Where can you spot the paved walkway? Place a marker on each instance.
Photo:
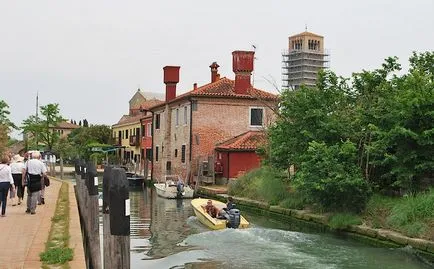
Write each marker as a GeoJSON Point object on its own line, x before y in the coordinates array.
{"type": "Point", "coordinates": [22, 235]}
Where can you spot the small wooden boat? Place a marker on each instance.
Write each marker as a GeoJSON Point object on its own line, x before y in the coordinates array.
{"type": "Point", "coordinates": [213, 223]}
{"type": "Point", "coordinates": [135, 180]}
{"type": "Point", "coordinates": [169, 188]}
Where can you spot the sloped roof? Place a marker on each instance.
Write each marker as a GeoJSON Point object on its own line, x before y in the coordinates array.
{"type": "Point", "coordinates": [126, 119]}
{"type": "Point", "coordinates": [150, 103]}
{"type": "Point", "coordinates": [141, 99]}
{"type": "Point", "coordinates": [66, 125]}
{"type": "Point", "coordinates": [305, 33]}
{"type": "Point", "coordinates": [248, 141]}
{"type": "Point", "coordinates": [224, 87]}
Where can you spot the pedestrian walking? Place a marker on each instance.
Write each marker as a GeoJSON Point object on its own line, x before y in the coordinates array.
{"type": "Point", "coordinates": [6, 181]}
{"type": "Point", "coordinates": [18, 169]}
{"type": "Point", "coordinates": [35, 170]}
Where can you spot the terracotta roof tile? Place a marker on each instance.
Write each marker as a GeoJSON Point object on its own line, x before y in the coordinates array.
{"type": "Point", "coordinates": [224, 87]}
{"type": "Point", "coordinates": [248, 141]}
{"type": "Point", "coordinates": [128, 119]}
{"type": "Point", "coordinates": [67, 125]}
{"type": "Point", "coordinates": [150, 103]}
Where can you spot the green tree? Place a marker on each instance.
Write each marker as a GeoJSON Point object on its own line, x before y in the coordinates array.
{"type": "Point", "coordinates": [4, 116]}
{"type": "Point", "coordinates": [81, 138]}
{"type": "Point", "coordinates": [403, 143]}
{"type": "Point", "coordinates": [330, 177]}
{"type": "Point", "coordinates": [41, 130]}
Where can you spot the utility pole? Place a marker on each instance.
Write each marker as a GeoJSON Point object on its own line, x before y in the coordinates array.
{"type": "Point", "coordinates": [37, 119]}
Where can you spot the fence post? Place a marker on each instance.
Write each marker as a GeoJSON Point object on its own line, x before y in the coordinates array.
{"type": "Point", "coordinates": [93, 215]}
{"type": "Point", "coordinates": [120, 219]}
{"type": "Point", "coordinates": [107, 237]}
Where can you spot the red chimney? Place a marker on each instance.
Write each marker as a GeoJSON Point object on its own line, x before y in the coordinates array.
{"type": "Point", "coordinates": [214, 72]}
{"type": "Point", "coordinates": [171, 78]}
{"type": "Point", "coordinates": [242, 65]}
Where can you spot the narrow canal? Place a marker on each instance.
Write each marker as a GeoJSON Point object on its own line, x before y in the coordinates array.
{"type": "Point", "coordinates": [165, 234]}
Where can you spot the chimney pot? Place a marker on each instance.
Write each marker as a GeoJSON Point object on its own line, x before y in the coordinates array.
{"type": "Point", "coordinates": [195, 86]}
{"type": "Point", "coordinates": [242, 65]}
{"type": "Point", "coordinates": [171, 78]}
{"type": "Point", "coordinates": [214, 72]}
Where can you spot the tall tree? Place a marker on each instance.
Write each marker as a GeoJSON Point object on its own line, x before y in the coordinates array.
{"type": "Point", "coordinates": [4, 116]}
{"type": "Point", "coordinates": [42, 129]}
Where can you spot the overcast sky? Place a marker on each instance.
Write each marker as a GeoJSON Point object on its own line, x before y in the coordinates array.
{"type": "Point", "coordinates": [91, 56]}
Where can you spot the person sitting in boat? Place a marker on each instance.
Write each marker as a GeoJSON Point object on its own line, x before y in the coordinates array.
{"type": "Point", "coordinates": [211, 209]}
{"type": "Point", "coordinates": [230, 204]}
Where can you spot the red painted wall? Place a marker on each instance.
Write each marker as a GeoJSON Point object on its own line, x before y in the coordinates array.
{"type": "Point", "coordinates": [237, 163]}
{"type": "Point", "coordinates": [146, 141]}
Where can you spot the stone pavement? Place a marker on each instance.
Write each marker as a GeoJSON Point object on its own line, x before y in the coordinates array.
{"type": "Point", "coordinates": [22, 235]}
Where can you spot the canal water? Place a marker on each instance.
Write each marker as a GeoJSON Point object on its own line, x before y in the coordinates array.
{"type": "Point", "coordinates": [165, 234]}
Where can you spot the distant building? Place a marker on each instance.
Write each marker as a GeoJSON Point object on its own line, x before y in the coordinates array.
{"type": "Point", "coordinates": [128, 131]}
{"type": "Point", "coordinates": [64, 128]}
{"type": "Point", "coordinates": [303, 60]}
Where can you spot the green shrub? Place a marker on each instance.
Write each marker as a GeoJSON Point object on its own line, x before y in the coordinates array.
{"type": "Point", "coordinates": [330, 177]}
{"type": "Point", "coordinates": [343, 220]}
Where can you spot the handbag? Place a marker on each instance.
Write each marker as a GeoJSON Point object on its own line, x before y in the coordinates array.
{"type": "Point", "coordinates": [46, 181]}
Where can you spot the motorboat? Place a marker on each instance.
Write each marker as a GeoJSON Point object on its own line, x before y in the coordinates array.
{"type": "Point", "coordinates": [233, 218]}
{"type": "Point", "coordinates": [173, 187]}
{"type": "Point", "coordinates": [135, 180]}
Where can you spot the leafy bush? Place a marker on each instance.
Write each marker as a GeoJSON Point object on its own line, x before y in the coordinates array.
{"type": "Point", "coordinates": [343, 220]}
{"type": "Point", "coordinates": [330, 177]}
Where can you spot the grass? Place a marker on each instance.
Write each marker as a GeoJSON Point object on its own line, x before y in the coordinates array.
{"type": "Point", "coordinates": [57, 253]}
{"type": "Point", "coordinates": [412, 215]}
{"type": "Point", "coordinates": [344, 220]}
{"type": "Point", "coordinates": [262, 184]}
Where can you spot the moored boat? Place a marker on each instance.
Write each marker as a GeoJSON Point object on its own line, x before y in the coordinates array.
{"type": "Point", "coordinates": [171, 189]}
{"type": "Point", "coordinates": [215, 223]}
{"type": "Point", "coordinates": [135, 180]}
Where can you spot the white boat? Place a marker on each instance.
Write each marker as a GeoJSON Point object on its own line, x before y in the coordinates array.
{"type": "Point", "coordinates": [168, 188]}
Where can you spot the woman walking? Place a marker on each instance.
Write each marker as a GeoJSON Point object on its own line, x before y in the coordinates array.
{"type": "Point", "coordinates": [6, 181]}
{"type": "Point", "coordinates": [18, 170]}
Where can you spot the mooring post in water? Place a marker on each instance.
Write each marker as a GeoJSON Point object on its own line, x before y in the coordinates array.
{"type": "Point", "coordinates": [93, 216]}
{"type": "Point", "coordinates": [120, 219]}
{"type": "Point", "coordinates": [107, 237]}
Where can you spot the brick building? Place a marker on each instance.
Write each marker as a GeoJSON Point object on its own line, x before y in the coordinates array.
{"type": "Point", "coordinates": [187, 128]}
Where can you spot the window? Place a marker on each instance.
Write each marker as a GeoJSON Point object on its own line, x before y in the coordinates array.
{"type": "Point", "coordinates": [126, 134]}
{"type": "Point", "coordinates": [194, 105]}
{"type": "Point", "coordinates": [149, 132]}
{"type": "Point", "coordinates": [157, 121]}
{"type": "Point", "coordinates": [256, 115]}
{"type": "Point", "coordinates": [183, 154]}
{"type": "Point", "coordinates": [123, 134]}
{"type": "Point", "coordinates": [156, 153]}
{"type": "Point", "coordinates": [185, 115]}
{"type": "Point", "coordinates": [143, 131]}
{"type": "Point", "coordinates": [177, 116]}
{"type": "Point", "coordinates": [176, 153]}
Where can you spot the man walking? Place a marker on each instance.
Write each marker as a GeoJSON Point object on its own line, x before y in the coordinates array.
{"type": "Point", "coordinates": [36, 170]}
